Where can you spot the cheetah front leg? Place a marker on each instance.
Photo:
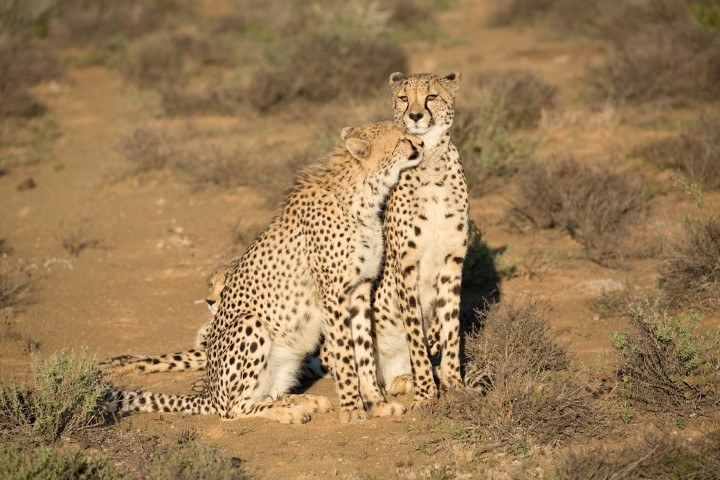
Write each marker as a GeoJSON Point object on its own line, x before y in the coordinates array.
{"type": "Point", "coordinates": [361, 318]}
{"type": "Point", "coordinates": [338, 329]}
{"type": "Point", "coordinates": [424, 388]}
{"type": "Point", "coordinates": [448, 315]}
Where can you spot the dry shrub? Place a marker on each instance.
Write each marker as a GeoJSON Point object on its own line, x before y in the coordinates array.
{"type": "Point", "coordinates": [612, 304]}
{"type": "Point", "coordinates": [84, 20]}
{"type": "Point", "coordinates": [520, 11]}
{"type": "Point", "coordinates": [677, 62]}
{"type": "Point", "coordinates": [665, 365]}
{"type": "Point", "coordinates": [212, 165]}
{"type": "Point", "coordinates": [206, 161]}
{"type": "Point", "coordinates": [148, 148]}
{"type": "Point", "coordinates": [164, 59]}
{"type": "Point", "coordinates": [596, 205]}
{"type": "Point", "coordinates": [609, 19]}
{"type": "Point", "coordinates": [665, 49]}
{"type": "Point", "coordinates": [24, 63]}
{"type": "Point", "coordinates": [523, 394]}
{"type": "Point", "coordinates": [695, 152]}
{"type": "Point", "coordinates": [12, 289]}
{"type": "Point", "coordinates": [92, 21]}
{"type": "Point", "coordinates": [657, 456]}
{"type": "Point", "coordinates": [523, 96]}
{"type": "Point", "coordinates": [340, 51]}
{"type": "Point", "coordinates": [690, 276]}
{"type": "Point", "coordinates": [509, 100]}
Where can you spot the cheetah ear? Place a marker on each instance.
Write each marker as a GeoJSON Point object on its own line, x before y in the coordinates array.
{"type": "Point", "coordinates": [396, 78]}
{"type": "Point", "coordinates": [358, 148]}
{"type": "Point", "coordinates": [452, 81]}
{"type": "Point", "coordinates": [346, 133]}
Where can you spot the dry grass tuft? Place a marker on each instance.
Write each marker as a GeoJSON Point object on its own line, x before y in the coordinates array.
{"type": "Point", "coordinates": [523, 395]}
{"type": "Point", "coordinates": [695, 152]}
{"type": "Point", "coordinates": [665, 365]}
{"type": "Point", "coordinates": [690, 276]}
{"type": "Point", "coordinates": [75, 238]}
{"type": "Point", "coordinates": [656, 456]}
{"type": "Point", "coordinates": [596, 205]}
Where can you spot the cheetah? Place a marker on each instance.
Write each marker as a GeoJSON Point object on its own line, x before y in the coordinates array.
{"type": "Point", "coordinates": [194, 359]}
{"type": "Point", "coordinates": [309, 273]}
{"type": "Point", "coordinates": [189, 360]}
{"type": "Point", "coordinates": [425, 227]}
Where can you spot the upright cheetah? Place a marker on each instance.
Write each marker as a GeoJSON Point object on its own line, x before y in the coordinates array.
{"type": "Point", "coordinates": [426, 223]}
{"type": "Point", "coordinates": [310, 272]}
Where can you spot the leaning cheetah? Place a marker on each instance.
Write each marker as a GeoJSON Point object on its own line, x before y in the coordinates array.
{"type": "Point", "coordinates": [310, 272]}
{"type": "Point", "coordinates": [195, 358]}
{"type": "Point", "coordinates": [417, 301]}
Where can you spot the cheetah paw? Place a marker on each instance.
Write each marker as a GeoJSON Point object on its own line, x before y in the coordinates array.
{"type": "Point", "coordinates": [291, 414]}
{"type": "Point", "coordinates": [311, 403]}
{"type": "Point", "coordinates": [401, 385]}
{"type": "Point", "coordinates": [387, 409]}
{"type": "Point", "coordinates": [355, 415]}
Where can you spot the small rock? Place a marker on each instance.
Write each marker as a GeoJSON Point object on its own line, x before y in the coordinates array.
{"type": "Point", "coordinates": [26, 184]}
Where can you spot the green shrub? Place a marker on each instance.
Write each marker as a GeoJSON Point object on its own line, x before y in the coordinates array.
{"type": "Point", "coordinates": [66, 396]}
{"type": "Point", "coordinates": [663, 362]}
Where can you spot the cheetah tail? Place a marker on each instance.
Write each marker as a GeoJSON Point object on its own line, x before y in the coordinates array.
{"type": "Point", "coordinates": [148, 402]}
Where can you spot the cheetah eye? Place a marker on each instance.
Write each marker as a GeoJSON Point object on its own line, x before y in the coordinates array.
{"type": "Point", "coordinates": [430, 98]}
{"type": "Point", "coordinates": [403, 98]}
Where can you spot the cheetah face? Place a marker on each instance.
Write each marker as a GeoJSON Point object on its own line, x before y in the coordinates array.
{"type": "Point", "coordinates": [424, 102]}
{"type": "Point", "coordinates": [383, 146]}
{"type": "Point", "coordinates": [216, 284]}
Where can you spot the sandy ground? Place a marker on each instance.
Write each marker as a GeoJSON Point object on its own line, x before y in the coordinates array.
{"type": "Point", "coordinates": [159, 239]}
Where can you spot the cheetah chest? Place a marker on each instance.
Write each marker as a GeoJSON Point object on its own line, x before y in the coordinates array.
{"type": "Point", "coordinates": [369, 250]}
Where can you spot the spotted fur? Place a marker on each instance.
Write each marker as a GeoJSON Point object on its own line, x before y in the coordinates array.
{"type": "Point", "coordinates": [194, 359]}
{"type": "Point", "coordinates": [308, 274]}
{"type": "Point", "coordinates": [417, 302]}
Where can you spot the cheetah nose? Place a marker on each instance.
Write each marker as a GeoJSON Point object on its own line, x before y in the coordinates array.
{"type": "Point", "coordinates": [422, 144]}
{"type": "Point", "coordinates": [210, 301]}
{"type": "Point", "coordinates": [415, 116]}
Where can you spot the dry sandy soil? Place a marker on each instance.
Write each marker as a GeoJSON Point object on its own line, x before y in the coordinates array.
{"type": "Point", "coordinates": [155, 239]}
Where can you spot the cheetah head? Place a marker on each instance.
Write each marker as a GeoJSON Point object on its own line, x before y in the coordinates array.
{"type": "Point", "coordinates": [216, 284]}
{"type": "Point", "coordinates": [383, 146]}
{"type": "Point", "coordinates": [424, 102]}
